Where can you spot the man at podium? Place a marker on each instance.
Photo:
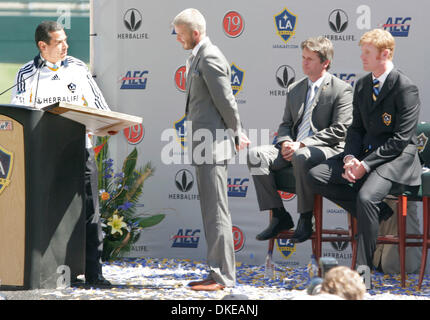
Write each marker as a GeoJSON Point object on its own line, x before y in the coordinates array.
{"type": "Point", "coordinates": [51, 77]}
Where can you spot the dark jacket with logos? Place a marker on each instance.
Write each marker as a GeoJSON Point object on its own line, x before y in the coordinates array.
{"type": "Point", "coordinates": [383, 133]}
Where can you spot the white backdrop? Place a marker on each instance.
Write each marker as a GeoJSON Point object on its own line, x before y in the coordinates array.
{"type": "Point", "coordinates": [138, 64]}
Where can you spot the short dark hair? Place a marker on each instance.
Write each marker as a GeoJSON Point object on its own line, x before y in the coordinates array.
{"type": "Point", "coordinates": [322, 46]}
{"type": "Point", "coordinates": [43, 30]}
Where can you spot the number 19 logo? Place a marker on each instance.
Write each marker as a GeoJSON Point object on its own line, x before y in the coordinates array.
{"type": "Point", "coordinates": [233, 24]}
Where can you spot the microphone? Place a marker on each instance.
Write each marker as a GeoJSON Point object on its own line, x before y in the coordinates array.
{"type": "Point", "coordinates": [39, 63]}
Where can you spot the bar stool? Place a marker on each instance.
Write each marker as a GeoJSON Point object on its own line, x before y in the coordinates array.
{"type": "Point", "coordinates": [285, 182]}
{"type": "Point", "coordinates": [403, 194]}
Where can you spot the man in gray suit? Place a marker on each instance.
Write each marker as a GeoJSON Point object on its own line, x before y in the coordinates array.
{"type": "Point", "coordinates": [213, 136]}
{"type": "Point", "coordinates": [316, 116]}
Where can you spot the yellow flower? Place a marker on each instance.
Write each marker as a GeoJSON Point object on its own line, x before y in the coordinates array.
{"type": "Point", "coordinates": [116, 224]}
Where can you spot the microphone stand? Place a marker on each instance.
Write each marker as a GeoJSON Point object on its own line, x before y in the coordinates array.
{"type": "Point", "coordinates": [37, 83]}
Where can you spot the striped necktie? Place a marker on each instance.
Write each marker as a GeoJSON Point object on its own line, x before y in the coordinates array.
{"type": "Point", "coordinates": [376, 88]}
{"type": "Point", "coordinates": [305, 125]}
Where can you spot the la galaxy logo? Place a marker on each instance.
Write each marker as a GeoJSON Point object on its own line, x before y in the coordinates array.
{"type": "Point", "coordinates": [181, 131]}
{"type": "Point", "coordinates": [285, 23]}
{"type": "Point", "coordinates": [285, 247]}
{"type": "Point", "coordinates": [386, 118]}
{"type": "Point", "coordinates": [237, 77]}
{"type": "Point", "coordinates": [72, 87]}
{"type": "Point", "coordinates": [422, 141]}
{"type": "Point", "coordinates": [6, 164]}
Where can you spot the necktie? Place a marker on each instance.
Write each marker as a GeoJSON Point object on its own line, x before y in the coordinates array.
{"type": "Point", "coordinates": [376, 88]}
{"type": "Point", "coordinates": [305, 125]}
{"type": "Point", "coordinates": [188, 63]}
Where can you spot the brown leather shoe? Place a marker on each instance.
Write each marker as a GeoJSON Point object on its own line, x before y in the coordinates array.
{"type": "Point", "coordinates": [200, 282]}
{"type": "Point", "coordinates": [209, 286]}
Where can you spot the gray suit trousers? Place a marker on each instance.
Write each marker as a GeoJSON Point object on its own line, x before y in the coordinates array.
{"type": "Point", "coordinates": [271, 161]}
{"type": "Point", "coordinates": [212, 186]}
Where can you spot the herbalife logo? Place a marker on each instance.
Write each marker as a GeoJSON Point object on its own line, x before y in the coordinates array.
{"type": "Point", "coordinates": [285, 75]}
{"type": "Point", "coordinates": [132, 19]}
{"type": "Point", "coordinates": [338, 20]}
{"type": "Point", "coordinates": [184, 180]}
{"type": "Point", "coordinates": [339, 245]}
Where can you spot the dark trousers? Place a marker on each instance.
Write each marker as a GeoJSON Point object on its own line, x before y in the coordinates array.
{"type": "Point", "coordinates": [94, 236]}
{"type": "Point", "coordinates": [361, 199]}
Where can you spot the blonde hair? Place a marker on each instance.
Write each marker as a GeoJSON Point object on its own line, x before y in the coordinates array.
{"type": "Point", "coordinates": [381, 39]}
{"type": "Point", "coordinates": [344, 282]}
{"type": "Point", "coordinates": [193, 19]}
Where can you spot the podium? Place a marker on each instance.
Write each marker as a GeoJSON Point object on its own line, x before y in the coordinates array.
{"type": "Point", "coordinates": [42, 217]}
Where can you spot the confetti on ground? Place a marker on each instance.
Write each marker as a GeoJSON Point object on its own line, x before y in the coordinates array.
{"type": "Point", "coordinates": [167, 279]}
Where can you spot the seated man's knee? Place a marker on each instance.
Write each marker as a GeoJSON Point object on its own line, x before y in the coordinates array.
{"type": "Point", "coordinates": [300, 156]}
{"type": "Point", "coordinates": [253, 159]}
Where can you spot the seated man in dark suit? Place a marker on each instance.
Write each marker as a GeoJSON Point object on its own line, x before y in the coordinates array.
{"type": "Point", "coordinates": [316, 116]}
{"type": "Point", "coordinates": [381, 144]}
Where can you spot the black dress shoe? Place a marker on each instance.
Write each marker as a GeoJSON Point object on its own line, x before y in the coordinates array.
{"type": "Point", "coordinates": [98, 280]}
{"type": "Point", "coordinates": [385, 212]}
{"type": "Point", "coordinates": [304, 228]}
{"type": "Point", "coordinates": [281, 220]}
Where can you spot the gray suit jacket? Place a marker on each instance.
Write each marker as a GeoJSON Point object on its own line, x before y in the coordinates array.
{"type": "Point", "coordinates": [331, 114]}
{"type": "Point", "coordinates": [211, 106]}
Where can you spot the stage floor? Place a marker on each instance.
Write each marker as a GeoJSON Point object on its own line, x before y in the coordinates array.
{"type": "Point", "coordinates": [166, 279]}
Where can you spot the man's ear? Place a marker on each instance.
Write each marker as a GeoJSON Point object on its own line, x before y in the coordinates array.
{"type": "Point", "coordinates": [196, 34]}
{"type": "Point", "coordinates": [42, 45]}
{"type": "Point", "coordinates": [385, 54]}
{"type": "Point", "coordinates": [326, 64]}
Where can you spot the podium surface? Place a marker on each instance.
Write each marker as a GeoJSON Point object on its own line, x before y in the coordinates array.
{"type": "Point", "coordinates": [42, 216]}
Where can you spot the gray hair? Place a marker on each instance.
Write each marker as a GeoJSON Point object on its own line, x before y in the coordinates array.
{"type": "Point", "coordinates": [193, 19]}
{"type": "Point", "coordinates": [322, 46]}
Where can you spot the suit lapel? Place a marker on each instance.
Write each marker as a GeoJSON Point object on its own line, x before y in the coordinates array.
{"type": "Point", "coordinates": [190, 72]}
{"type": "Point", "coordinates": [388, 85]}
{"type": "Point", "coordinates": [322, 89]}
{"type": "Point", "coordinates": [386, 89]}
{"type": "Point", "coordinates": [302, 95]}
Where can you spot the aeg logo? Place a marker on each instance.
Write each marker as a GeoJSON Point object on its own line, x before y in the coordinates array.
{"type": "Point", "coordinates": [187, 238]}
{"type": "Point", "coordinates": [237, 187]}
{"type": "Point", "coordinates": [134, 80]}
{"type": "Point", "coordinates": [398, 26]}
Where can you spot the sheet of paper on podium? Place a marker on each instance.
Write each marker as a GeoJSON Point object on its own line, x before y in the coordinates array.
{"type": "Point", "coordinates": [99, 122]}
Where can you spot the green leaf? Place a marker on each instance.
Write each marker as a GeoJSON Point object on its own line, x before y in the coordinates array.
{"type": "Point", "coordinates": [151, 221]}
{"type": "Point", "coordinates": [129, 163]}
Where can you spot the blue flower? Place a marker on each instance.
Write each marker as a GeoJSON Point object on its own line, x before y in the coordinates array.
{"type": "Point", "coordinates": [127, 205]}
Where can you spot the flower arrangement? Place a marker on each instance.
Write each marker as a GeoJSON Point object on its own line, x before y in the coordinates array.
{"type": "Point", "coordinates": [118, 198]}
